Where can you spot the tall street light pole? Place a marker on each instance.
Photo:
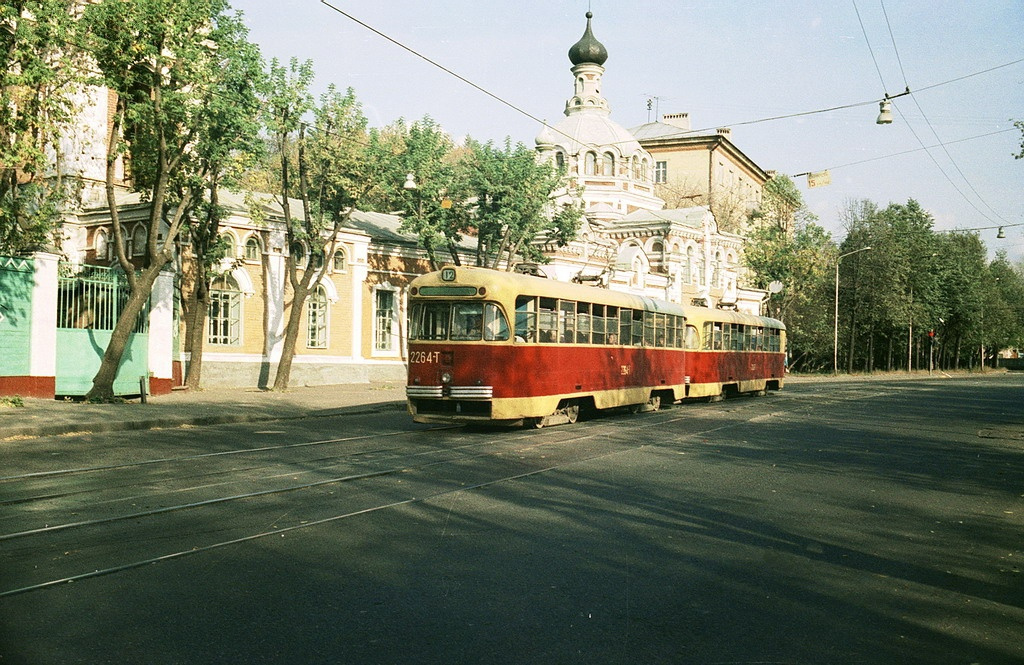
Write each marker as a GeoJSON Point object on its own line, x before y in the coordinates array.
{"type": "Point", "coordinates": [835, 333]}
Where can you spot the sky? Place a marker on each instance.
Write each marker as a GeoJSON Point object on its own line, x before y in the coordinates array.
{"type": "Point", "coordinates": [728, 63]}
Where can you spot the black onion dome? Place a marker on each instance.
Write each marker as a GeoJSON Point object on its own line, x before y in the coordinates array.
{"type": "Point", "coordinates": [588, 49]}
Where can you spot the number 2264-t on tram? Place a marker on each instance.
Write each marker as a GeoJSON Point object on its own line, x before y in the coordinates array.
{"type": "Point", "coordinates": [496, 347]}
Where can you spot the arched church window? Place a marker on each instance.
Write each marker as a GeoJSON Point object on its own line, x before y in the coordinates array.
{"type": "Point", "coordinates": [608, 164]}
{"type": "Point", "coordinates": [229, 245]}
{"type": "Point", "coordinates": [252, 249]}
{"type": "Point", "coordinates": [560, 161]}
{"type": "Point", "coordinates": [340, 261]}
{"type": "Point", "coordinates": [102, 245]}
{"type": "Point", "coordinates": [138, 245]}
{"type": "Point", "coordinates": [590, 165]}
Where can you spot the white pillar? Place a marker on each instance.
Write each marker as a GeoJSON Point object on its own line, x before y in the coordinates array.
{"type": "Point", "coordinates": [275, 305]}
{"type": "Point", "coordinates": [43, 349]}
{"type": "Point", "coordinates": [360, 271]}
{"type": "Point", "coordinates": [161, 332]}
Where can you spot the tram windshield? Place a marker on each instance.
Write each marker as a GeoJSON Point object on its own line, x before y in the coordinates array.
{"type": "Point", "coordinates": [458, 321]}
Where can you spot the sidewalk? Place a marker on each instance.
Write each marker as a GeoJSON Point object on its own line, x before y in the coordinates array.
{"type": "Point", "coordinates": [40, 417]}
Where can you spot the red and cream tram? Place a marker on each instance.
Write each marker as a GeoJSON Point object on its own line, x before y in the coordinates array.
{"type": "Point", "coordinates": [490, 346]}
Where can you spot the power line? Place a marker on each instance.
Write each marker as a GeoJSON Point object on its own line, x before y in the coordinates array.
{"type": "Point", "coordinates": [907, 152]}
{"type": "Point", "coordinates": [959, 191]}
{"type": "Point", "coordinates": [448, 71]}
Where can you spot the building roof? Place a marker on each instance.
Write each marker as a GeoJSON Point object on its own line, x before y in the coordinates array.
{"type": "Point", "coordinates": [662, 130]}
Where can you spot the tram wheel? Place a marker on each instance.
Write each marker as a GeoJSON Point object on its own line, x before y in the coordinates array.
{"type": "Point", "coordinates": [655, 403]}
{"type": "Point", "coordinates": [572, 413]}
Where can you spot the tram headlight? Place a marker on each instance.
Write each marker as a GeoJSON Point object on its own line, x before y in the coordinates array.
{"type": "Point", "coordinates": [446, 377]}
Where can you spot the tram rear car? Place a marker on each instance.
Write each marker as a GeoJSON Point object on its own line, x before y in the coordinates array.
{"type": "Point", "coordinates": [490, 346]}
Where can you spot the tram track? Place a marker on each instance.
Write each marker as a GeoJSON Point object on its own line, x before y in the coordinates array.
{"type": "Point", "coordinates": [373, 492]}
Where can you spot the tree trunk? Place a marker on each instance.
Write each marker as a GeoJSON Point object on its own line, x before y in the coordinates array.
{"type": "Point", "coordinates": [200, 303]}
{"type": "Point", "coordinates": [291, 337]}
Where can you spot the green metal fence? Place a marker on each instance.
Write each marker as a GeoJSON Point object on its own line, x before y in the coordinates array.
{"type": "Point", "coordinates": [89, 301]}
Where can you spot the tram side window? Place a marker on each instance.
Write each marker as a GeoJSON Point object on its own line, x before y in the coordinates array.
{"type": "Point", "coordinates": [431, 320]}
{"type": "Point", "coordinates": [567, 321]}
{"type": "Point", "coordinates": [526, 319]}
{"type": "Point", "coordinates": [547, 320]}
{"type": "Point", "coordinates": [638, 327]}
{"type": "Point", "coordinates": [713, 336]}
{"type": "Point", "coordinates": [625, 326]}
{"type": "Point", "coordinates": [774, 340]}
{"type": "Point", "coordinates": [672, 331]}
{"type": "Point", "coordinates": [583, 323]}
{"type": "Point", "coordinates": [650, 322]}
{"type": "Point", "coordinates": [611, 324]}
{"type": "Point", "coordinates": [597, 327]}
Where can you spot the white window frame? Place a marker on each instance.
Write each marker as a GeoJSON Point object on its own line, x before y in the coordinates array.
{"type": "Point", "coordinates": [660, 172]}
{"type": "Point", "coordinates": [317, 319]}
{"type": "Point", "coordinates": [250, 243]}
{"type": "Point", "coordinates": [385, 322]}
{"type": "Point", "coordinates": [224, 328]}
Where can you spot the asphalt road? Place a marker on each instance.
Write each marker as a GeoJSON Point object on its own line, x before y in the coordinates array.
{"type": "Point", "coordinates": [834, 522]}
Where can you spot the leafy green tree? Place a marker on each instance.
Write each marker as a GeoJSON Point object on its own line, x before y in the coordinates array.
{"type": "Point", "coordinates": [961, 266]}
{"type": "Point", "coordinates": [500, 196]}
{"type": "Point", "coordinates": [434, 210]}
{"type": "Point", "coordinates": [786, 245]}
{"type": "Point", "coordinates": [899, 283]}
{"type": "Point", "coordinates": [513, 203]}
{"type": "Point", "coordinates": [328, 166]}
{"type": "Point", "coordinates": [227, 146]}
{"type": "Point", "coordinates": [161, 60]}
{"type": "Point", "coordinates": [40, 76]}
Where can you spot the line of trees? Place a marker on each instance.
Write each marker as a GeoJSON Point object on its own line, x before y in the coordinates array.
{"type": "Point", "coordinates": [917, 299]}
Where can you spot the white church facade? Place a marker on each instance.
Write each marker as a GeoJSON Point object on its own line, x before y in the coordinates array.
{"type": "Point", "coordinates": [628, 240]}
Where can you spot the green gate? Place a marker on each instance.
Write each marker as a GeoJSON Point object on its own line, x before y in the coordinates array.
{"type": "Point", "coordinates": [89, 302]}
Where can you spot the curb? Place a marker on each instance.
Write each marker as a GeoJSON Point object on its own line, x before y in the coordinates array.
{"type": "Point", "coordinates": [171, 422]}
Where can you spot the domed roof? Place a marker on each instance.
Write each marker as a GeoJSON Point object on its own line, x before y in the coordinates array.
{"type": "Point", "coordinates": [595, 131]}
{"type": "Point", "coordinates": [546, 137]}
{"type": "Point", "coordinates": [588, 49]}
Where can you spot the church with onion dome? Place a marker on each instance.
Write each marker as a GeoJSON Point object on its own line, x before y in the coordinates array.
{"type": "Point", "coordinates": [628, 240]}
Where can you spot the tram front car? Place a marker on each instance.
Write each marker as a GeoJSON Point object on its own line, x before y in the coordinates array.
{"type": "Point", "coordinates": [462, 364]}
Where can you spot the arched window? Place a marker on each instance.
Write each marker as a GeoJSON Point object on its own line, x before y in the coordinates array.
{"type": "Point", "coordinates": [691, 266]}
{"type": "Point", "coordinates": [608, 164]}
{"type": "Point", "coordinates": [101, 245]}
{"type": "Point", "coordinates": [590, 165]}
{"type": "Point", "coordinates": [224, 320]}
{"type": "Point", "coordinates": [560, 161]}
{"type": "Point", "coordinates": [252, 249]}
{"type": "Point", "coordinates": [299, 254]}
{"type": "Point", "coordinates": [657, 255]}
{"type": "Point", "coordinates": [230, 251]}
{"type": "Point", "coordinates": [138, 246]}
{"type": "Point", "coordinates": [316, 319]}
{"type": "Point", "coordinates": [340, 262]}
